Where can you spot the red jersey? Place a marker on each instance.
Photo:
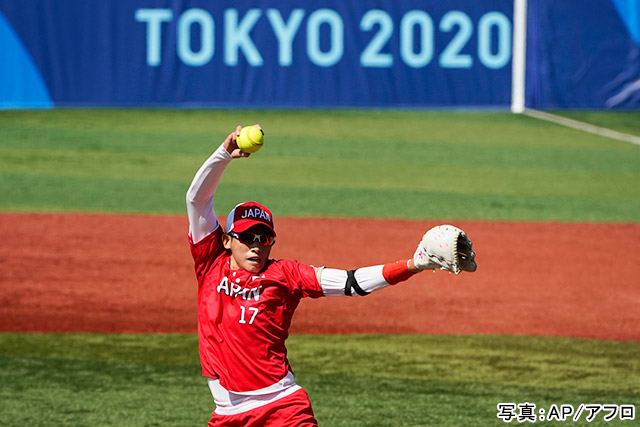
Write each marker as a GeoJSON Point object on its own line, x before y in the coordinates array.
{"type": "Point", "coordinates": [244, 319]}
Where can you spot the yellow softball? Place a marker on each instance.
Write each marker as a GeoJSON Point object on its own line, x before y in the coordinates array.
{"type": "Point", "coordinates": [250, 139]}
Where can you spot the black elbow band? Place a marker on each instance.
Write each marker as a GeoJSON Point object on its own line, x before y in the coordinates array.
{"type": "Point", "coordinates": [352, 283]}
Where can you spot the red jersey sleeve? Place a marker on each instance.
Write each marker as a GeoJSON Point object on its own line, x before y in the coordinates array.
{"type": "Point", "coordinates": [206, 251]}
{"type": "Point", "coordinates": [301, 279]}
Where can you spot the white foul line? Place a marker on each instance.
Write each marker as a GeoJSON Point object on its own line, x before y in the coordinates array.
{"type": "Point", "coordinates": [585, 127]}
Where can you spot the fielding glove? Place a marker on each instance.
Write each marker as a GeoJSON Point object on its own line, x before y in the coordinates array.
{"type": "Point", "coordinates": [445, 247]}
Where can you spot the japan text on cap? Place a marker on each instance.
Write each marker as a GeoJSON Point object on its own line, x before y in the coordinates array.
{"type": "Point", "coordinates": [246, 215]}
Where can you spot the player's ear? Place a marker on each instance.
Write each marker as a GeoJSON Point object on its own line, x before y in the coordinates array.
{"type": "Point", "coordinates": [226, 241]}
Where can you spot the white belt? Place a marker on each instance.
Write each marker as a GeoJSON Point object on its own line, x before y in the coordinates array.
{"type": "Point", "coordinates": [231, 403]}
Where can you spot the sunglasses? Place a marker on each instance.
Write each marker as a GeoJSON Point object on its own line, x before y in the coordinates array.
{"type": "Point", "coordinates": [249, 238]}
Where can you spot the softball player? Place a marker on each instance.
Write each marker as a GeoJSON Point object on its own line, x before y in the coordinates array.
{"type": "Point", "coordinates": [246, 300]}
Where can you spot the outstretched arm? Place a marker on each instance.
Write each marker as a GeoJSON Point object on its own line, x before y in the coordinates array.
{"type": "Point", "coordinates": [364, 280]}
{"type": "Point", "coordinates": [445, 247]}
{"type": "Point", "coordinates": [202, 218]}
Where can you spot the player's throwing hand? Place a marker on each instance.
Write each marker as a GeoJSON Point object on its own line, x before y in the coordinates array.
{"type": "Point", "coordinates": [231, 145]}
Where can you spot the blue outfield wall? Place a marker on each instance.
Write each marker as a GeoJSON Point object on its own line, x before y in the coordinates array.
{"type": "Point", "coordinates": [583, 54]}
{"type": "Point", "coordinates": [326, 53]}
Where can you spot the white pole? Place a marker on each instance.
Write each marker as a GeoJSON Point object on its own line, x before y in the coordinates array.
{"type": "Point", "coordinates": [518, 61]}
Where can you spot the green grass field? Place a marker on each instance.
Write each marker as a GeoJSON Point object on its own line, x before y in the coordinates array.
{"type": "Point", "coordinates": [394, 164]}
{"type": "Point", "coordinates": [372, 380]}
{"type": "Point", "coordinates": [390, 164]}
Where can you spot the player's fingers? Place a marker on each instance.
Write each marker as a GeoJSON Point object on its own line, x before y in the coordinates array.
{"type": "Point", "coordinates": [230, 140]}
{"type": "Point", "coordinates": [234, 135]}
{"type": "Point", "coordinates": [259, 127]}
{"type": "Point", "coordinates": [238, 153]}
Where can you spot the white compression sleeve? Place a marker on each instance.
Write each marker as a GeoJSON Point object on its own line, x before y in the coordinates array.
{"type": "Point", "coordinates": [202, 218]}
{"type": "Point", "coordinates": [368, 279]}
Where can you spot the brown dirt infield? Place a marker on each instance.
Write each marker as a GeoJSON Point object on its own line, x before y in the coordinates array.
{"type": "Point", "coordinates": [129, 273]}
